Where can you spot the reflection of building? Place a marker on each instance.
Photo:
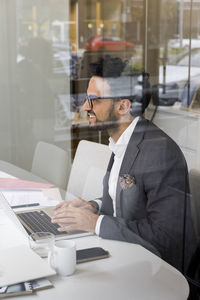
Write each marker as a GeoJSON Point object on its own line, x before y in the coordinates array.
{"type": "Point", "coordinates": [113, 17]}
{"type": "Point", "coordinates": [37, 19]}
{"type": "Point", "coordinates": [185, 5]}
{"type": "Point", "coordinates": [195, 18]}
{"type": "Point", "coordinates": [66, 25]}
{"type": "Point", "coordinates": [86, 18]}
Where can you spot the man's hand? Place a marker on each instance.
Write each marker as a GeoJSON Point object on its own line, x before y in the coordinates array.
{"type": "Point", "coordinates": [77, 214]}
{"type": "Point", "coordinates": [78, 202]}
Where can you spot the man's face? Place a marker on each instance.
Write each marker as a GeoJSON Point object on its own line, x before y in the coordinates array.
{"type": "Point", "coordinates": [103, 114]}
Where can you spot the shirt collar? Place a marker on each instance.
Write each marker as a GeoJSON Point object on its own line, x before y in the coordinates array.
{"type": "Point", "coordinates": [119, 147]}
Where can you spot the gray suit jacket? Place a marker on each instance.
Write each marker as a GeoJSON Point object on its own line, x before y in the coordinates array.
{"type": "Point", "coordinates": [150, 204]}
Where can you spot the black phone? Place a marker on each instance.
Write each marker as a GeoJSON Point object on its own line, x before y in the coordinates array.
{"type": "Point", "coordinates": [90, 254]}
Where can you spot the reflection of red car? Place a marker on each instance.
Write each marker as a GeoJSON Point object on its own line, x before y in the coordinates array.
{"type": "Point", "coordinates": [111, 43]}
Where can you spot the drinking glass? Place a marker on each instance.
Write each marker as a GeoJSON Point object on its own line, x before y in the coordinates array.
{"type": "Point", "coordinates": [41, 242]}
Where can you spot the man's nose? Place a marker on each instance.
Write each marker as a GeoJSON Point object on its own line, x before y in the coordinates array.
{"type": "Point", "coordinates": [86, 106]}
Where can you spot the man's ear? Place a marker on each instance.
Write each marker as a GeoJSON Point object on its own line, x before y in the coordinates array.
{"type": "Point", "coordinates": [124, 106]}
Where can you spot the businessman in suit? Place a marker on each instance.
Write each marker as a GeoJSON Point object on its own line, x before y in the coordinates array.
{"type": "Point", "coordinates": [145, 189]}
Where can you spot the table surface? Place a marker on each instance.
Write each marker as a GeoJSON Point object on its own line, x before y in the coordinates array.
{"type": "Point", "coordinates": [131, 272]}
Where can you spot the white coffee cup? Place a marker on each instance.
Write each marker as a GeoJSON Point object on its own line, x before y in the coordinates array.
{"type": "Point", "coordinates": [62, 258]}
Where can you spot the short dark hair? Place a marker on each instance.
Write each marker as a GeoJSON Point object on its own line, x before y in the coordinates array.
{"type": "Point", "coordinates": [108, 67]}
{"type": "Point", "coordinates": [124, 85]}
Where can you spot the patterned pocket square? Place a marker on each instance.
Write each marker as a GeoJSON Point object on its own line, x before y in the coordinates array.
{"type": "Point", "coordinates": [126, 181]}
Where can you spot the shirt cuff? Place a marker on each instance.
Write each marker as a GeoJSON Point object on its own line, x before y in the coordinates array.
{"type": "Point", "coordinates": [99, 202]}
{"type": "Point", "coordinates": [98, 224]}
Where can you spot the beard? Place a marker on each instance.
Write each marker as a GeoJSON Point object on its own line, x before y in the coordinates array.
{"type": "Point", "coordinates": [110, 124]}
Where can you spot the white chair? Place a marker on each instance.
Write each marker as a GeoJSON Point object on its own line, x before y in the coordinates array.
{"type": "Point", "coordinates": [88, 169]}
{"type": "Point", "coordinates": [194, 177]}
{"type": "Point", "coordinates": [51, 163]}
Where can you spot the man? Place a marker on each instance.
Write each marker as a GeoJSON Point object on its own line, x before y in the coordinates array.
{"type": "Point", "coordinates": [146, 184]}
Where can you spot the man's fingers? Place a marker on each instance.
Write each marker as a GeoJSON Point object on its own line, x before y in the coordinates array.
{"type": "Point", "coordinates": [77, 202]}
{"type": "Point", "coordinates": [62, 215]}
{"type": "Point", "coordinates": [75, 218]}
{"type": "Point", "coordinates": [68, 228]}
{"type": "Point", "coordinates": [63, 220]}
{"type": "Point", "coordinates": [64, 212]}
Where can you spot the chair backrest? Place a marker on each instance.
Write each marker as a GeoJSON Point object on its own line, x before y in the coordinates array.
{"type": "Point", "coordinates": [88, 169]}
{"type": "Point", "coordinates": [51, 163]}
{"type": "Point", "coordinates": [194, 177]}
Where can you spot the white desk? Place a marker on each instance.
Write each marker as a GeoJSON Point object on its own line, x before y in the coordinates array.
{"type": "Point", "coordinates": [131, 272]}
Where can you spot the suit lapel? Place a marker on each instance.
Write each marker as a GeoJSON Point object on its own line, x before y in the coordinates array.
{"type": "Point", "coordinates": [133, 147]}
{"type": "Point", "coordinates": [130, 156]}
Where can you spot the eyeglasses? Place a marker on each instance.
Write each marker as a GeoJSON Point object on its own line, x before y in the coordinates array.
{"type": "Point", "coordinates": [91, 98]}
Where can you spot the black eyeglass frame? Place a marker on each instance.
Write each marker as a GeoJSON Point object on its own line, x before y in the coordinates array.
{"type": "Point", "coordinates": [93, 98]}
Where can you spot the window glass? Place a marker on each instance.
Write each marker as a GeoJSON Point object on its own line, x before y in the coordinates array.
{"type": "Point", "coordinates": [50, 48]}
{"type": "Point", "coordinates": [175, 75]}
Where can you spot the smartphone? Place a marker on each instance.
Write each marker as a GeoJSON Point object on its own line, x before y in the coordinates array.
{"type": "Point", "coordinates": [90, 254]}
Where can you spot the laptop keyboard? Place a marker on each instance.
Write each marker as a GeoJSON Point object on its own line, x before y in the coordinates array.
{"type": "Point", "coordinates": [39, 221]}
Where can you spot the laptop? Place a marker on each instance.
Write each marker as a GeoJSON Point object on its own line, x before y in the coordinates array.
{"type": "Point", "coordinates": [38, 220]}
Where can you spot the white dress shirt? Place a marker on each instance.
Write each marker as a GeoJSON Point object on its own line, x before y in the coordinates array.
{"type": "Point", "coordinates": [119, 149]}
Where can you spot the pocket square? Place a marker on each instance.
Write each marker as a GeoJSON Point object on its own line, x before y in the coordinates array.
{"type": "Point", "coordinates": [126, 181]}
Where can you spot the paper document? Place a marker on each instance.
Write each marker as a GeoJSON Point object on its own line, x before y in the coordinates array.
{"type": "Point", "coordinates": [69, 196]}
{"type": "Point", "coordinates": [25, 288]}
{"type": "Point", "coordinates": [22, 288]}
{"type": "Point", "coordinates": [23, 197]}
{"type": "Point", "coordinates": [14, 183]}
{"type": "Point", "coordinates": [41, 284]}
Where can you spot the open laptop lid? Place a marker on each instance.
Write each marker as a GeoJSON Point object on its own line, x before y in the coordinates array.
{"type": "Point", "coordinates": [10, 214]}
